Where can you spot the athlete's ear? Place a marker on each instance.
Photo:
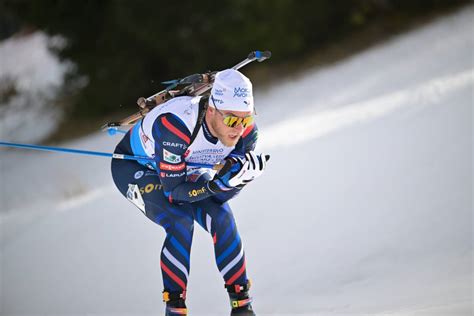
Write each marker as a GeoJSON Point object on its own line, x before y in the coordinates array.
{"type": "Point", "coordinates": [210, 110]}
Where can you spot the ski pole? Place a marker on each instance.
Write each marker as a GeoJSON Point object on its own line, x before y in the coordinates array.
{"type": "Point", "coordinates": [97, 153]}
{"type": "Point", "coordinates": [74, 151]}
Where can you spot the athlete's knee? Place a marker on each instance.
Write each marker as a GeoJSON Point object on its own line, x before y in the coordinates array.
{"type": "Point", "coordinates": [226, 218]}
{"type": "Point", "coordinates": [186, 222]}
{"type": "Point", "coordinates": [180, 221]}
{"type": "Point", "coordinates": [224, 222]}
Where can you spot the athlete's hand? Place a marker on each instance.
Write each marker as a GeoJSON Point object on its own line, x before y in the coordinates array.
{"type": "Point", "coordinates": [227, 177]}
{"type": "Point", "coordinates": [238, 171]}
{"type": "Point", "coordinates": [256, 166]}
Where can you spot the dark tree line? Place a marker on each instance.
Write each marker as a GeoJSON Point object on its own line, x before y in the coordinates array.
{"type": "Point", "coordinates": [121, 46]}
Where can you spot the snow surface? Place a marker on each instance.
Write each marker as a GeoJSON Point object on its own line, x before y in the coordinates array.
{"type": "Point", "coordinates": [365, 208]}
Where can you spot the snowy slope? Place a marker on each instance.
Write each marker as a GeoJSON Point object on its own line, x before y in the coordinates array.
{"type": "Point", "coordinates": [366, 207]}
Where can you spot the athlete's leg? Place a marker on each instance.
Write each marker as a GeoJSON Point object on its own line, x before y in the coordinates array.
{"type": "Point", "coordinates": [218, 220]}
{"type": "Point", "coordinates": [142, 187]}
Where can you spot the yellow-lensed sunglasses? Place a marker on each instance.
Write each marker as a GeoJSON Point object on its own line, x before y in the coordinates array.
{"type": "Point", "coordinates": [232, 120]}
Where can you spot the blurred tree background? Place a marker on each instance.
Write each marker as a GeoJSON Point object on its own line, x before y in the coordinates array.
{"type": "Point", "coordinates": [125, 48]}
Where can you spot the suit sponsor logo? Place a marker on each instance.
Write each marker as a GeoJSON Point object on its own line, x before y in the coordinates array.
{"type": "Point", "coordinates": [150, 173]}
{"type": "Point", "coordinates": [176, 145]}
{"type": "Point", "coordinates": [144, 138]}
{"type": "Point", "coordinates": [213, 151]}
{"type": "Point", "coordinates": [150, 187]}
{"type": "Point", "coordinates": [165, 166]}
{"type": "Point", "coordinates": [197, 192]}
{"type": "Point", "coordinates": [172, 175]}
{"type": "Point", "coordinates": [170, 157]}
{"type": "Point", "coordinates": [207, 156]}
{"type": "Point", "coordinates": [138, 174]}
{"type": "Point", "coordinates": [188, 110]}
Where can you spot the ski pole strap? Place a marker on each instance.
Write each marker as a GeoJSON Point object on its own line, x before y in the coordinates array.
{"type": "Point", "coordinates": [173, 296]}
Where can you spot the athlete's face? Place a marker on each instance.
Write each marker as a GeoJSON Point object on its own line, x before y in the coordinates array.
{"type": "Point", "coordinates": [229, 136]}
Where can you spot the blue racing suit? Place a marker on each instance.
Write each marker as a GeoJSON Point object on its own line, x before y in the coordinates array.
{"type": "Point", "coordinates": [173, 187]}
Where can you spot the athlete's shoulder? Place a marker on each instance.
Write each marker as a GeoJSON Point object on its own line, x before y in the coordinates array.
{"type": "Point", "coordinates": [250, 132]}
{"type": "Point", "coordinates": [185, 108]}
{"type": "Point", "coordinates": [171, 126]}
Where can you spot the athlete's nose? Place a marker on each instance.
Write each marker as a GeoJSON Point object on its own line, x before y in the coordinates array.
{"type": "Point", "coordinates": [239, 127]}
